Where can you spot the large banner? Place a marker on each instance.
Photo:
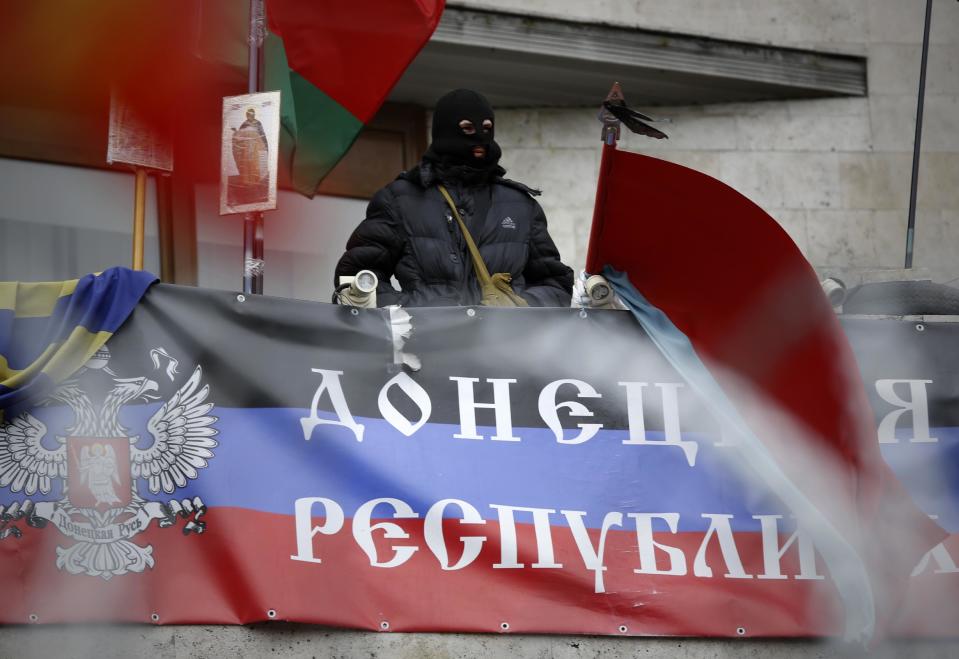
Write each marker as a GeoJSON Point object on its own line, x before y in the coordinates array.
{"type": "Point", "coordinates": [229, 460]}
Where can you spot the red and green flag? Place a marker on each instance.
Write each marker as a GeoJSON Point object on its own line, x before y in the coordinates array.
{"type": "Point", "coordinates": [334, 64]}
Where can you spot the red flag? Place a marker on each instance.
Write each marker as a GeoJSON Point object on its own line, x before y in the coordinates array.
{"type": "Point", "coordinates": [730, 279]}
{"type": "Point", "coordinates": [334, 64]}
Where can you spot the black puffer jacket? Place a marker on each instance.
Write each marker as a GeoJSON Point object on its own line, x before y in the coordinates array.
{"type": "Point", "coordinates": [410, 232]}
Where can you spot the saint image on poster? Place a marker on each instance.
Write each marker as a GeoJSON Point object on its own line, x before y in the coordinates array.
{"type": "Point", "coordinates": [249, 150]}
{"type": "Point", "coordinates": [251, 156]}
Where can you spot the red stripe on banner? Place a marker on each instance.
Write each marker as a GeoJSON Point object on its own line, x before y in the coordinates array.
{"type": "Point", "coordinates": [240, 568]}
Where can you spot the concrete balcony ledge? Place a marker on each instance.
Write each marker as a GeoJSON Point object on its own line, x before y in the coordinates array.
{"type": "Point", "coordinates": [532, 61]}
{"type": "Point", "coordinates": [310, 641]}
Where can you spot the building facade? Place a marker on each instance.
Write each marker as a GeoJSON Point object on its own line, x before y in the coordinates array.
{"type": "Point", "coordinates": [834, 172]}
{"type": "Point", "coordinates": [807, 108]}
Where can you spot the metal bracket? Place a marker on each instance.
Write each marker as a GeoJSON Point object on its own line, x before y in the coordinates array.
{"type": "Point", "coordinates": [257, 24]}
{"type": "Point", "coordinates": [253, 267]}
{"type": "Point", "coordinates": [611, 125]}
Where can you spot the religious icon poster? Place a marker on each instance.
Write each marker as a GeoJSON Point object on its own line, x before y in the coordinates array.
{"type": "Point", "coordinates": [248, 152]}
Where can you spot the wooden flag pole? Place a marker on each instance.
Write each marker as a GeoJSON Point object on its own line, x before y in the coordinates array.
{"type": "Point", "coordinates": [139, 217]}
{"type": "Point", "coordinates": [137, 142]}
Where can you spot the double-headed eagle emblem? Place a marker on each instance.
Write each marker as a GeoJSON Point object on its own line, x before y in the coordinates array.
{"type": "Point", "coordinates": [100, 463]}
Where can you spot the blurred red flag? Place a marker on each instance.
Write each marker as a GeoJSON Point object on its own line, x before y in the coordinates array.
{"type": "Point", "coordinates": [728, 277]}
{"type": "Point", "coordinates": [172, 62]}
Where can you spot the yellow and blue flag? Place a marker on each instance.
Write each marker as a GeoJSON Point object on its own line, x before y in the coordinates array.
{"type": "Point", "coordinates": [48, 330]}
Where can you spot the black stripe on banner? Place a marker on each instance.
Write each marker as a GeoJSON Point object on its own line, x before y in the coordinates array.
{"type": "Point", "coordinates": [261, 353]}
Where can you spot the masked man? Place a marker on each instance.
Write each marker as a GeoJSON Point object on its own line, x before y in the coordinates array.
{"type": "Point", "coordinates": [411, 232]}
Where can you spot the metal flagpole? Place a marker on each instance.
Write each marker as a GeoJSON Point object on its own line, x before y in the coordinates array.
{"type": "Point", "coordinates": [258, 253]}
{"type": "Point", "coordinates": [139, 215]}
{"type": "Point", "coordinates": [610, 136]}
{"type": "Point", "coordinates": [253, 222]}
{"type": "Point", "coordinates": [911, 227]}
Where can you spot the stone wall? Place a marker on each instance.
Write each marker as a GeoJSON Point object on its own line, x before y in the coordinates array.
{"type": "Point", "coordinates": [835, 172]}
{"type": "Point", "coordinates": [312, 642]}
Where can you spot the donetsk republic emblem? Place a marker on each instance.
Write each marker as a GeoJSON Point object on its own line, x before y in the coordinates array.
{"type": "Point", "coordinates": [101, 462]}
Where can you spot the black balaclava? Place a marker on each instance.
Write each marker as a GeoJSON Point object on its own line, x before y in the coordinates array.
{"type": "Point", "coordinates": [451, 150]}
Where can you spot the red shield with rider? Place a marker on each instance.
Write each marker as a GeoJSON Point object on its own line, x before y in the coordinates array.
{"type": "Point", "coordinates": [98, 472]}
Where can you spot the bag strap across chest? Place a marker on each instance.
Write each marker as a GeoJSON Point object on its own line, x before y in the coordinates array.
{"type": "Point", "coordinates": [482, 272]}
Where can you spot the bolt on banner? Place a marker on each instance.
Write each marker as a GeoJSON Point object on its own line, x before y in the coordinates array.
{"type": "Point", "coordinates": [311, 478]}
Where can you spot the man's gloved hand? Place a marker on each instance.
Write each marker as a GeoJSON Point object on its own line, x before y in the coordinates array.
{"type": "Point", "coordinates": [594, 292]}
{"type": "Point", "coordinates": [580, 297]}
{"type": "Point", "coordinates": [358, 291]}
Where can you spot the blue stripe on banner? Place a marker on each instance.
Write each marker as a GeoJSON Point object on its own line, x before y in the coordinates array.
{"type": "Point", "coordinates": [26, 338]}
{"type": "Point", "coordinates": [263, 463]}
